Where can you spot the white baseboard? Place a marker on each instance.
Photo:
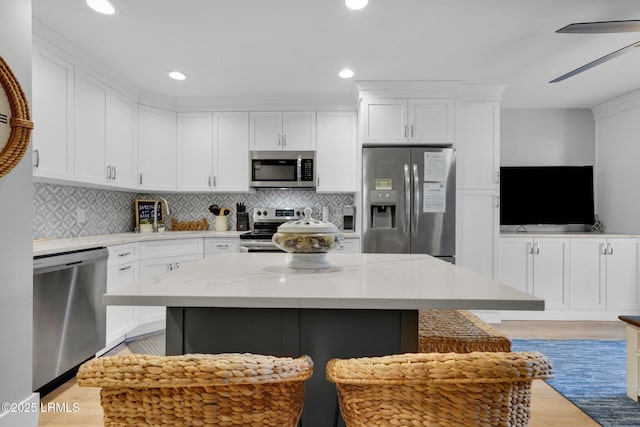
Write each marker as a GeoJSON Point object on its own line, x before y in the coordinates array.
{"type": "Point", "coordinates": [26, 413]}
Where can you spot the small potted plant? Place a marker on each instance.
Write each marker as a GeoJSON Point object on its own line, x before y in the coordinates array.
{"type": "Point", "coordinates": [146, 226]}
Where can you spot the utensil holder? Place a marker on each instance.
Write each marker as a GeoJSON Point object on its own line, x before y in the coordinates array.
{"type": "Point", "coordinates": [221, 223]}
{"type": "Point", "coordinates": [242, 221]}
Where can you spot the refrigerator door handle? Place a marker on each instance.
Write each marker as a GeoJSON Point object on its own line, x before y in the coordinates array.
{"type": "Point", "coordinates": [407, 201]}
{"type": "Point", "coordinates": [416, 201]}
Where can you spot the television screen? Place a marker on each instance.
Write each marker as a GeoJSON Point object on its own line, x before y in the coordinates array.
{"type": "Point", "coordinates": [546, 195]}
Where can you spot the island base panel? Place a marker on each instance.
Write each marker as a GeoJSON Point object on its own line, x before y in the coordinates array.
{"type": "Point", "coordinates": [322, 334]}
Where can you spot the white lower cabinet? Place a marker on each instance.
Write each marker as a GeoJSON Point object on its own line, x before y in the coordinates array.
{"type": "Point", "coordinates": [538, 266]}
{"type": "Point", "coordinates": [213, 246]}
{"type": "Point", "coordinates": [604, 273]}
{"type": "Point", "coordinates": [122, 270]}
{"type": "Point", "coordinates": [581, 277]}
{"type": "Point", "coordinates": [349, 245]}
{"type": "Point", "coordinates": [157, 257]}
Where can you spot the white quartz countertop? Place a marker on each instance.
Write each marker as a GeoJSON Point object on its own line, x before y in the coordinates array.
{"type": "Point", "coordinates": [354, 281]}
{"type": "Point", "coordinates": [51, 246]}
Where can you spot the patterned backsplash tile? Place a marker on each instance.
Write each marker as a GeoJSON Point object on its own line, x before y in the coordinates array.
{"type": "Point", "coordinates": [56, 207]}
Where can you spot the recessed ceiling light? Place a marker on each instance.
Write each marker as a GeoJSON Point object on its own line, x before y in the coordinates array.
{"type": "Point", "coordinates": [102, 6]}
{"type": "Point", "coordinates": [356, 4]}
{"type": "Point", "coordinates": [177, 75]}
{"type": "Point", "coordinates": [346, 73]}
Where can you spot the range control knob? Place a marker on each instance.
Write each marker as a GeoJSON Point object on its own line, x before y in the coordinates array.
{"type": "Point", "coordinates": [298, 213]}
{"type": "Point", "coordinates": [264, 213]}
{"type": "Point", "coordinates": [258, 213]}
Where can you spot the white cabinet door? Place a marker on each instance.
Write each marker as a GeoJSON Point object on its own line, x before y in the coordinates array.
{"type": "Point", "coordinates": [384, 121]}
{"type": "Point", "coordinates": [195, 152]}
{"type": "Point", "coordinates": [52, 99]}
{"type": "Point", "coordinates": [153, 267]}
{"type": "Point", "coordinates": [431, 121]}
{"type": "Point", "coordinates": [120, 319]}
{"type": "Point", "coordinates": [336, 152]}
{"type": "Point", "coordinates": [622, 274]}
{"type": "Point", "coordinates": [515, 262]}
{"type": "Point", "coordinates": [587, 273]}
{"type": "Point", "coordinates": [275, 131]}
{"type": "Point", "coordinates": [550, 271]}
{"type": "Point", "coordinates": [156, 149]}
{"type": "Point", "coordinates": [477, 228]}
{"type": "Point", "coordinates": [232, 142]}
{"type": "Point", "coordinates": [538, 266]}
{"type": "Point", "coordinates": [266, 130]}
{"type": "Point", "coordinates": [299, 130]}
{"type": "Point", "coordinates": [122, 141]}
{"type": "Point", "coordinates": [477, 144]}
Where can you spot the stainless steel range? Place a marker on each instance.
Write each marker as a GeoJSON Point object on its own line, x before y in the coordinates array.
{"type": "Point", "coordinates": [265, 225]}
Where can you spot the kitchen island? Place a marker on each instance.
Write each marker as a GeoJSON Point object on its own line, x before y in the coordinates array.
{"type": "Point", "coordinates": [364, 304]}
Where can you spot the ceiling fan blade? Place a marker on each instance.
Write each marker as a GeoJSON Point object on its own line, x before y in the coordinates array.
{"type": "Point", "coordinates": [596, 62]}
{"type": "Point", "coordinates": [627, 26]}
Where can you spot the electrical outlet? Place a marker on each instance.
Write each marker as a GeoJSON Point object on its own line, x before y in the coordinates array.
{"type": "Point", "coordinates": [80, 216]}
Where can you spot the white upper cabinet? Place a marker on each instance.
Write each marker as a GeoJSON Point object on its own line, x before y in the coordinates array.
{"type": "Point", "coordinates": [232, 138]}
{"type": "Point", "coordinates": [90, 129]}
{"type": "Point", "coordinates": [122, 141]}
{"type": "Point", "coordinates": [336, 151]}
{"type": "Point", "coordinates": [478, 144]}
{"type": "Point", "coordinates": [400, 121]}
{"type": "Point", "coordinates": [213, 151]}
{"type": "Point", "coordinates": [52, 109]}
{"type": "Point", "coordinates": [156, 149]}
{"type": "Point", "coordinates": [273, 131]}
{"type": "Point", "coordinates": [195, 155]}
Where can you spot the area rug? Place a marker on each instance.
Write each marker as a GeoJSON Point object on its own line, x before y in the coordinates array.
{"type": "Point", "coordinates": [592, 375]}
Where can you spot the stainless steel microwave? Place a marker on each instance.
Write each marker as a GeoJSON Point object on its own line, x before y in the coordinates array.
{"type": "Point", "coordinates": [277, 169]}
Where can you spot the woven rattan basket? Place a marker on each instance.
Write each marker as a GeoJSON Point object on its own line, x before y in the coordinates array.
{"type": "Point", "coordinates": [199, 390]}
{"type": "Point", "coordinates": [457, 331]}
{"type": "Point", "coordinates": [438, 389]}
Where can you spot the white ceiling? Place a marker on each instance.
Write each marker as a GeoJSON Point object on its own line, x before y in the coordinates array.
{"type": "Point", "coordinates": [295, 48]}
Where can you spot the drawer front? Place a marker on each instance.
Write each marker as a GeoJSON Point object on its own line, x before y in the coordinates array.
{"type": "Point", "coordinates": [169, 248]}
{"type": "Point", "coordinates": [214, 246]}
{"type": "Point", "coordinates": [122, 254]}
{"type": "Point", "coordinates": [349, 246]}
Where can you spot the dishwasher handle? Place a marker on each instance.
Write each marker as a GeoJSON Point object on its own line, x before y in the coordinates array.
{"type": "Point", "coordinates": [64, 260]}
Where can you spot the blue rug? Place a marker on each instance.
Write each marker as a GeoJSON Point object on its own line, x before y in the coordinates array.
{"type": "Point", "coordinates": [592, 375]}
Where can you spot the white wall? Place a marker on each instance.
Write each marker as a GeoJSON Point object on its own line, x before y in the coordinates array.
{"type": "Point", "coordinates": [16, 250]}
{"type": "Point", "coordinates": [547, 137]}
{"type": "Point", "coordinates": [618, 164]}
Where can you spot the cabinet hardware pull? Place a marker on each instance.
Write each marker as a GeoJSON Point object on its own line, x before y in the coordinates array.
{"type": "Point", "coordinates": [279, 140]}
{"type": "Point", "coordinates": [609, 248]}
{"type": "Point", "coordinates": [411, 131]}
{"type": "Point", "coordinates": [124, 268]}
{"type": "Point", "coordinates": [124, 254]}
{"type": "Point", "coordinates": [222, 246]}
{"type": "Point", "coordinates": [214, 180]}
{"type": "Point", "coordinates": [114, 173]}
{"type": "Point", "coordinates": [108, 172]}
{"type": "Point", "coordinates": [284, 140]}
{"type": "Point", "coordinates": [140, 182]}
{"type": "Point", "coordinates": [405, 131]}
{"type": "Point", "coordinates": [603, 249]}
{"type": "Point", "coordinates": [209, 181]}
{"type": "Point", "coordinates": [497, 201]}
{"type": "Point", "coordinates": [318, 181]}
{"type": "Point", "coordinates": [530, 248]}
{"type": "Point", "coordinates": [177, 265]}
{"type": "Point", "coordinates": [37, 158]}
{"type": "Point", "coordinates": [537, 248]}
{"type": "Point", "coordinates": [498, 177]}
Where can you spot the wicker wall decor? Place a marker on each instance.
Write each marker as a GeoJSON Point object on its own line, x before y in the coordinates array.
{"type": "Point", "coordinates": [14, 140]}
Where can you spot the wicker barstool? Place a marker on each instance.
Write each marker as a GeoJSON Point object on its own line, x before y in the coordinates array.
{"type": "Point", "coordinates": [457, 331]}
{"type": "Point", "coordinates": [199, 389]}
{"type": "Point", "coordinates": [438, 389]}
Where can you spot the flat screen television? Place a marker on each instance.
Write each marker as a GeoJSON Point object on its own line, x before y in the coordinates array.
{"type": "Point", "coordinates": [546, 195]}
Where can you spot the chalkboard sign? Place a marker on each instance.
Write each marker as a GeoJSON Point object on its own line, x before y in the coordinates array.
{"type": "Point", "coordinates": [144, 210]}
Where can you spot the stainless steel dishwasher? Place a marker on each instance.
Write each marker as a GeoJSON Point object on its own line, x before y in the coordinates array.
{"type": "Point", "coordinates": [69, 318]}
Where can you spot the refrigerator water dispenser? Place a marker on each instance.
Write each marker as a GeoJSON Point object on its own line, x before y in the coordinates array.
{"type": "Point", "coordinates": [383, 209]}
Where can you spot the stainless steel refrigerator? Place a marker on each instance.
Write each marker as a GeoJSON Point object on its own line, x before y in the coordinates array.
{"type": "Point", "coordinates": [409, 200]}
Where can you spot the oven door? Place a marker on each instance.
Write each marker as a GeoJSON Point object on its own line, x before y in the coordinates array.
{"type": "Point", "coordinates": [258, 246]}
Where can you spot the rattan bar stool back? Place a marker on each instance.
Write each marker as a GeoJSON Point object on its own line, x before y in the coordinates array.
{"type": "Point", "coordinates": [438, 389]}
{"type": "Point", "coordinates": [199, 389]}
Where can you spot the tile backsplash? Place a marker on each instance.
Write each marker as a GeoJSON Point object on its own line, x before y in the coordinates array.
{"type": "Point", "coordinates": [58, 209]}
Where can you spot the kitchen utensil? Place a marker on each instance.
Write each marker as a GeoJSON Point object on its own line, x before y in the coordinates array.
{"type": "Point", "coordinates": [225, 211]}
{"type": "Point", "coordinates": [214, 209]}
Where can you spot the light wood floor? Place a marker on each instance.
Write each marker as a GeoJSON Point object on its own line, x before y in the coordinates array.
{"type": "Point", "coordinates": [548, 408]}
